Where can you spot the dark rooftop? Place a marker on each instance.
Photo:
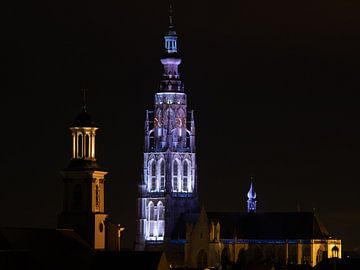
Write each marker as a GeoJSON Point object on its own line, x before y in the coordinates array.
{"type": "Point", "coordinates": [281, 225]}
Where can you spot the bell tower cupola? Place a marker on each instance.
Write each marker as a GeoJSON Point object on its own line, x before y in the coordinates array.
{"type": "Point", "coordinates": [83, 131]}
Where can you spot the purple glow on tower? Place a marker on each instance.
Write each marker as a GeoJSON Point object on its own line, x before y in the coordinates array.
{"type": "Point", "coordinates": [251, 202]}
{"type": "Point", "coordinates": [169, 171]}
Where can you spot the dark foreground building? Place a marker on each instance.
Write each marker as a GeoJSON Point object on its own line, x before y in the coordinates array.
{"type": "Point", "coordinates": [55, 249]}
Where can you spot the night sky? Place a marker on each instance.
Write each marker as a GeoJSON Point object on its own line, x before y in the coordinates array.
{"type": "Point", "coordinates": [274, 86]}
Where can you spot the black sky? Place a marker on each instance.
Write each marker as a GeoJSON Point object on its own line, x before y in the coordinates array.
{"type": "Point", "coordinates": [274, 86]}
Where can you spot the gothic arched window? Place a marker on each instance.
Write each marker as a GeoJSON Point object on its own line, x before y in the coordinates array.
{"type": "Point", "coordinates": [186, 176]}
{"type": "Point", "coordinates": [162, 175]}
{"type": "Point", "coordinates": [161, 219]}
{"type": "Point", "coordinates": [151, 219]}
{"type": "Point", "coordinates": [160, 211]}
{"type": "Point", "coordinates": [152, 175]}
{"type": "Point", "coordinates": [175, 173]}
{"type": "Point", "coordinates": [335, 252]}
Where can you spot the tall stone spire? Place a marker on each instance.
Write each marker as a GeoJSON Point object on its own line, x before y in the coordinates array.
{"type": "Point", "coordinates": [251, 202]}
{"type": "Point", "coordinates": [171, 78]}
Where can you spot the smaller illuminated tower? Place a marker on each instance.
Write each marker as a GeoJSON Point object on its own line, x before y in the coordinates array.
{"type": "Point", "coordinates": [251, 202]}
{"type": "Point", "coordinates": [83, 208]}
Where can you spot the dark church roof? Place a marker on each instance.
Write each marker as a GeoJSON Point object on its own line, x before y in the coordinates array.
{"type": "Point", "coordinates": [281, 225]}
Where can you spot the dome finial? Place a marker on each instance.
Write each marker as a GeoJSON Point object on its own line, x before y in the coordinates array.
{"type": "Point", "coordinates": [83, 119]}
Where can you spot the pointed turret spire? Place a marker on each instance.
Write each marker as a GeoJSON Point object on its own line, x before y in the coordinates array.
{"type": "Point", "coordinates": [251, 202]}
{"type": "Point", "coordinates": [171, 36]}
{"type": "Point", "coordinates": [203, 215]}
{"type": "Point", "coordinates": [83, 119]}
{"type": "Point", "coordinates": [171, 78]}
{"type": "Point", "coordinates": [171, 22]}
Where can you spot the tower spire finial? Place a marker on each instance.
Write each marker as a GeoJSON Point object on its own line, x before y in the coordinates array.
{"type": "Point", "coordinates": [83, 103]}
{"type": "Point", "coordinates": [171, 23]}
{"type": "Point", "coordinates": [251, 197]}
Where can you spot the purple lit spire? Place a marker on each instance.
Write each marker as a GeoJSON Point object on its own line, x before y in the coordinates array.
{"type": "Point", "coordinates": [171, 16]}
{"type": "Point", "coordinates": [251, 202]}
{"type": "Point", "coordinates": [171, 78]}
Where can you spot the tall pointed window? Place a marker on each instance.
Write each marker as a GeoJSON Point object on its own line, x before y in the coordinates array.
{"type": "Point", "coordinates": [161, 219]}
{"type": "Point", "coordinates": [152, 175]}
{"type": "Point", "coordinates": [151, 219]}
{"type": "Point", "coordinates": [175, 174]}
{"type": "Point", "coordinates": [162, 175]}
{"type": "Point", "coordinates": [185, 179]}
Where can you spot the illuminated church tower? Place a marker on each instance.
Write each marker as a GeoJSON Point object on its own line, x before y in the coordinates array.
{"type": "Point", "coordinates": [83, 208]}
{"type": "Point", "coordinates": [168, 186]}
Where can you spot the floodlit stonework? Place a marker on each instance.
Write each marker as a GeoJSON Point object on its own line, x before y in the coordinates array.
{"type": "Point", "coordinates": [168, 187]}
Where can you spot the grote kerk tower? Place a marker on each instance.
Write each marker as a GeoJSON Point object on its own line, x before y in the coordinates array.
{"type": "Point", "coordinates": [168, 186]}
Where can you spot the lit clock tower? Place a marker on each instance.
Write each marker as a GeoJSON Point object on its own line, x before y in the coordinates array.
{"type": "Point", "coordinates": [168, 186]}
